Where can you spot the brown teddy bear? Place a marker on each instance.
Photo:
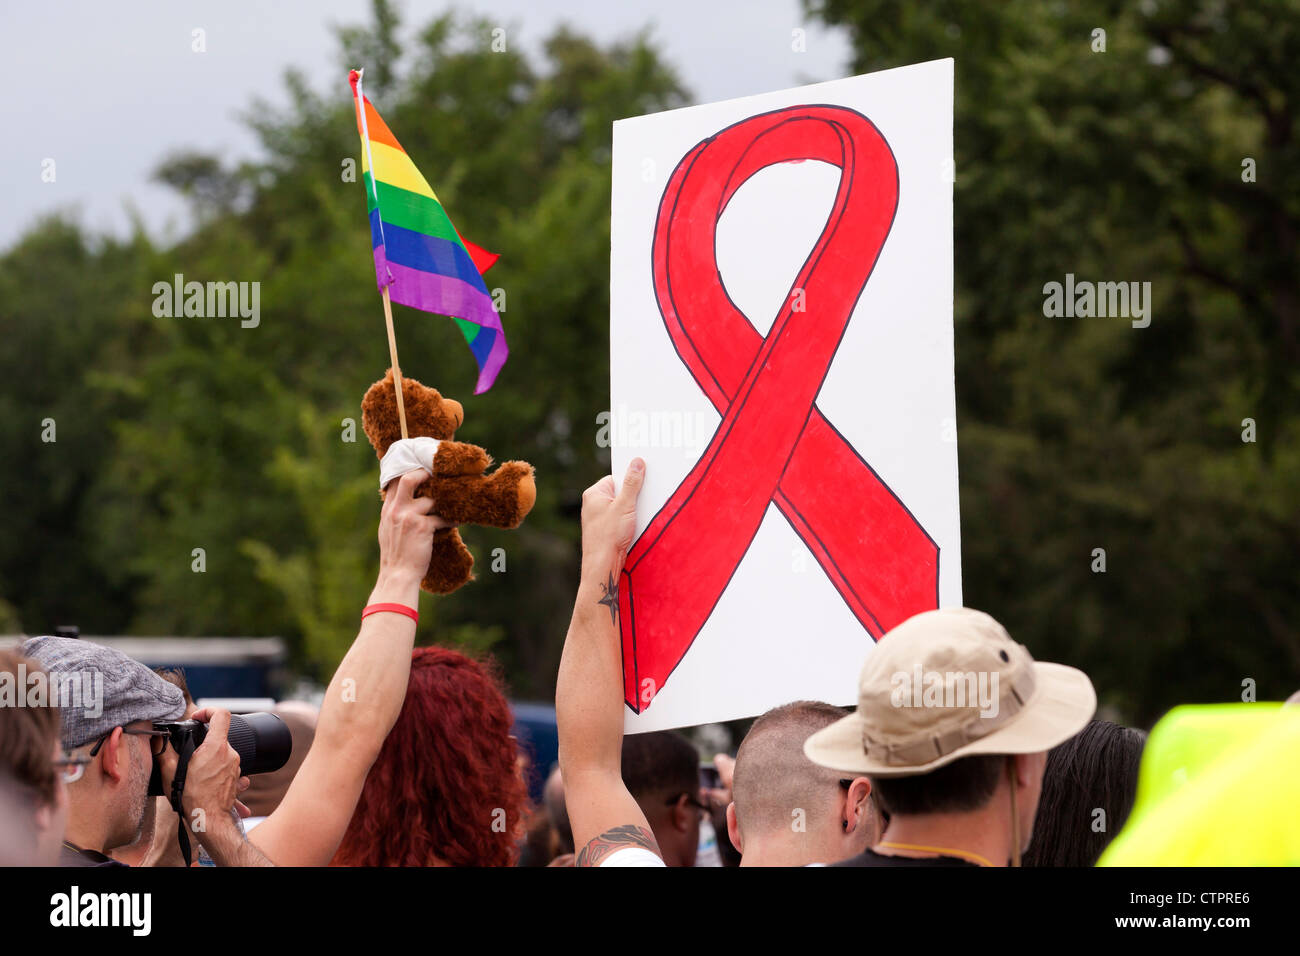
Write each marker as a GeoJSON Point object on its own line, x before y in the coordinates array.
{"type": "Point", "coordinates": [461, 491]}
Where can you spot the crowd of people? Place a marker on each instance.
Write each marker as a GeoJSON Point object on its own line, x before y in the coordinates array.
{"type": "Point", "coordinates": [410, 758]}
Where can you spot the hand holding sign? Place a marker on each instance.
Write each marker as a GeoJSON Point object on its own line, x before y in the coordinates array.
{"type": "Point", "coordinates": [608, 527]}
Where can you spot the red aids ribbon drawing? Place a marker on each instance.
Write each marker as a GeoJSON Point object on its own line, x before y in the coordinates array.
{"type": "Point", "coordinates": [773, 445]}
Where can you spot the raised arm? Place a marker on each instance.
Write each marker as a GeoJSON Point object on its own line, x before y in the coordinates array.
{"type": "Point", "coordinates": [589, 689]}
{"type": "Point", "coordinates": [364, 698]}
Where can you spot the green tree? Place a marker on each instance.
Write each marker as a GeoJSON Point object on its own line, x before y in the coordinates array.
{"type": "Point", "coordinates": [66, 310]}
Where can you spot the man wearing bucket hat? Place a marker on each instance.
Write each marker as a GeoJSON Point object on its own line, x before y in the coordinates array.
{"type": "Point", "coordinates": [953, 726]}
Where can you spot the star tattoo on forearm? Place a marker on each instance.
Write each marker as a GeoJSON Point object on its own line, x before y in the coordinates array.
{"type": "Point", "coordinates": [610, 599]}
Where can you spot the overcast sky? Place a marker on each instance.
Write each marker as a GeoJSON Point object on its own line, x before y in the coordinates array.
{"type": "Point", "coordinates": [108, 89]}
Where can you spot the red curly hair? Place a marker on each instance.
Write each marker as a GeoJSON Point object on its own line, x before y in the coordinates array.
{"type": "Point", "coordinates": [445, 775]}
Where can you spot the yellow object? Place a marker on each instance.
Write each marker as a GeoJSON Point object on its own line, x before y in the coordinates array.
{"type": "Point", "coordinates": [1219, 785]}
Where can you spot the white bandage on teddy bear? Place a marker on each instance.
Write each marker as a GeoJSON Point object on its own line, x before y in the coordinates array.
{"type": "Point", "coordinates": [406, 454]}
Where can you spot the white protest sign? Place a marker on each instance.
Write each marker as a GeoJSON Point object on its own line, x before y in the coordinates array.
{"type": "Point", "coordinates": [781, 355]}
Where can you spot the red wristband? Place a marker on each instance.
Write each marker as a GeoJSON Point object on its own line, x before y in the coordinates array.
{"type": "Point", "coordinates": [410, 612]}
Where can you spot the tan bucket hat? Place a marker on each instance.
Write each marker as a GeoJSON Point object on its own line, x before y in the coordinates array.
{"type": "Point", "coordinates": [948, 684]}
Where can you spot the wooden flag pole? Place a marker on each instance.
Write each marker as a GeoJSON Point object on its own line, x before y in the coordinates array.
{"type": "Point", "coordinates": [397, 369]}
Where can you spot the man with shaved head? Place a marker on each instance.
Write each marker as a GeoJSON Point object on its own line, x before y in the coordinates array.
{"type": "Point", "coordinates": [787, 810]}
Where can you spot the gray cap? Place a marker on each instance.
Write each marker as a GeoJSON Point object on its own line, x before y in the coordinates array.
{"type": "Point", "coordinates": [98, 688]}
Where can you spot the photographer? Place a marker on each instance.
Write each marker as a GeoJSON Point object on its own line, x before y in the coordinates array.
{"type": "Point", "coordinates": [110, 746]}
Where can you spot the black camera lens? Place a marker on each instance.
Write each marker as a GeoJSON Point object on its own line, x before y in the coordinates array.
{"type": "Point", "coordinates": [262, 741]}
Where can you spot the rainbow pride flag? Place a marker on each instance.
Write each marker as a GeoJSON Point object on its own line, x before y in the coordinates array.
{"type": "Point", "coordinates": [420, 258]}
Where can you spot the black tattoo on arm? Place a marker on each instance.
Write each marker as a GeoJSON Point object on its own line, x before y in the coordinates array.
{"type": "Point", "coordinates": [614, 839]}
{"type": "Point", "coordinates": [611, 600]}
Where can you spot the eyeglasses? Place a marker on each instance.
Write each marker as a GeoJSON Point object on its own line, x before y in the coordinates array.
{"type": "Point", "coordinates": [157, 743]}
{"type": "Point", "coordinates": [71, 768]}
{"type": "Point", "coordinates": [693, 800]}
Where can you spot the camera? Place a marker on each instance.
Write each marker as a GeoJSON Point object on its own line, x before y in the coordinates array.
{"type": "Point", "coordinates": [262, 741]}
